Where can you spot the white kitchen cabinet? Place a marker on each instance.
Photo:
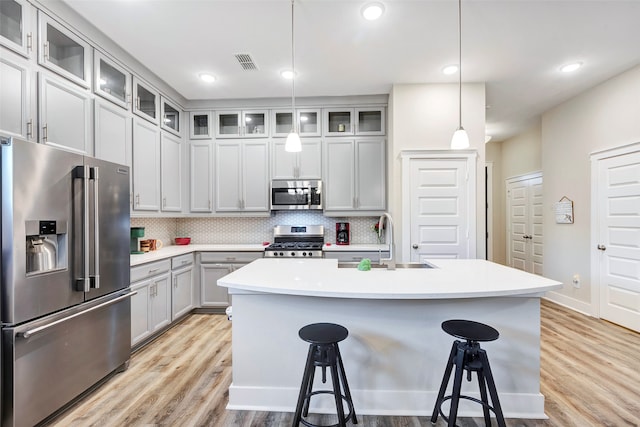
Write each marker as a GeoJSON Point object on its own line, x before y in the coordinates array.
{"type": "Point", "coordinates": [151, 307]}
{"type": "Point", "coordinates": [242, 124]}
{"type": "Point", "coordinates": [17, 113]}
{"type": "Point", "coordinates": [354, 121]}
{"type": "Point", "coordinates": [63, 51]}
{"type": "Point", "coordinates": [146, 166]}
{"type": "Point", "coordinates": [200, 125]}
{"type": "Point", "coordinates": [170, 172]}
{"type": "Point", "coordinates": [354, 178]}
{"type": "Point", "coordinates": [112, 81]}
{"type": "Point", "coordinates": [17, 26]}
{"type": "Point", "coordinates": [241, 176]}
{"type": "Point", "coordinates": [201, 176]}
{"type": "Point", "coordinates": [182, 285]}
{"type": "Point", "coordinates": [145, 101]}
{"type": "Point", "coordinates": [308, 121]}
{"type": "Point", "coordinates": [307, 164]}
{"type": "Point", "coordinates": [113, 132]}
{"type": "Point", "coordinates": [171, 116]}
{"type": "Point", "coordinates": [213, 266]}
{"type": "Point", "coordinates": [65, 115]}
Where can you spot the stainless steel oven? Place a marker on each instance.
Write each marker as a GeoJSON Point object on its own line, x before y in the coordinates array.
{"type": "Point", "coordinates": [291, 194]}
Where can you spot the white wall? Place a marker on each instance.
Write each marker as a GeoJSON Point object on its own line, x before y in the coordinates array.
{"type": "Point", "coordinates": [606, 116]}
{"type": "Point", "coordinates": [497, 240]}
{"type": "Point", "coordinates": [424, 117]}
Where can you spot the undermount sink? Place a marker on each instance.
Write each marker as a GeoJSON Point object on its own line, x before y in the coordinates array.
{"type": "Point", "coordinates": [398, 266]}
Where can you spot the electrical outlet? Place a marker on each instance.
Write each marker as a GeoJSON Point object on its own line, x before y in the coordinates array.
{"type": "Point", "coordinates": [576, 280]}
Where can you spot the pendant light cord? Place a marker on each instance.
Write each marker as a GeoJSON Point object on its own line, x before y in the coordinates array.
{"type": "Point", "coordinates": [293, 73]}
{"type": "Point", "coordinates": [459, 63]}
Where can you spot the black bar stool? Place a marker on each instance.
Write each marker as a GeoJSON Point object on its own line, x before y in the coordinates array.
{"type": "Point", "coordinates": [324, 353]}
{"type": "Point", "coordinates": [467, 355]}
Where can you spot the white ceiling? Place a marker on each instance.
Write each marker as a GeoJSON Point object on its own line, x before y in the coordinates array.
{"type": "Point", "coordinates": [515, 46]}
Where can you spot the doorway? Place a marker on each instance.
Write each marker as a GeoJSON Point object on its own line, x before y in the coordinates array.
{"type": "Point", "coordinates": [616, 235]}
{"type": "Point", "coordinates": [524, 222]}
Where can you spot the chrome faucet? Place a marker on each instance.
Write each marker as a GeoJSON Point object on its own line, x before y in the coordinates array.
{"type": "Point", "coordinates": [389, 262]}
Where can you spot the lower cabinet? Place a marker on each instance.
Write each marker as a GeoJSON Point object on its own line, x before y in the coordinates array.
{"type": "Point", "coordinates": [182, 285]}
{"type": "Point", "coordinates": [151, 307]}
{"type": "Point", "coordinates": [213, 266]}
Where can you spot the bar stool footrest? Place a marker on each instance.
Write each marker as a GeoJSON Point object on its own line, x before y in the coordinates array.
{"type": "Point", "coordinates": [347, 417]}
{"type": "Point", "coordinates": [462, 396]}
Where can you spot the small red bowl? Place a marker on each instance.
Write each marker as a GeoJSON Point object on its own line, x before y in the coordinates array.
{"type": "Point", "coordinates": [182, 240]}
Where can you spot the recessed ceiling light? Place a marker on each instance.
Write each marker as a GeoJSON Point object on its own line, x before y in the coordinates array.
{"type": "Point", "coordinates": [569, 68]}
{"type": "Point", "coordinates": [207, 78]}
{"type": "Point", "coordinates": [450, 69]}
{"type": "Point", "coordinates": [372, 11]}
{"type": "Point", "coordinates": [288, 74]}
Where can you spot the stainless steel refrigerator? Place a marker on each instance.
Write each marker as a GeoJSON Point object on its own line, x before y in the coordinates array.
{"type": "Point", "coordinates": [65, 300]}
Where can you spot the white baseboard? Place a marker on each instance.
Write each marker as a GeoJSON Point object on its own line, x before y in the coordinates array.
{"type": "Point", "coordinates": [381, 402]}
{"type": "Point", "coordinates": [572, 303]}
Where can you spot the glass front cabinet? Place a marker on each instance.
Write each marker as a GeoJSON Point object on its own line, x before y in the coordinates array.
{"type": "Point", "coordinates": [145, 101]}
{"type": "Point", "coordinates": [63, 52]}
{"type": "Point", "coordinates": [354, 121]}
{"type": "Point", "coordinates": [112, 81]}
{"type": "Point", "coordinates": [16, 26]}
{"type": "Point", "coordinates": [308, 121]}
{"type": "Point", "coordinates": [200, 125]}
{"type": "Point", "coordinates": [171, 115]}
{"type": "Point", "coordinates": [242, 124]}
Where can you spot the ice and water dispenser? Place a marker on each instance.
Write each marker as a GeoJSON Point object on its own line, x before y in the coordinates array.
{"type": "Point", "coordinates": [46, 246]}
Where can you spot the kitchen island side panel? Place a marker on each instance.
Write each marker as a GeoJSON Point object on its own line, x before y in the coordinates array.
{"type": "Point", "coordinates": [395, 354]}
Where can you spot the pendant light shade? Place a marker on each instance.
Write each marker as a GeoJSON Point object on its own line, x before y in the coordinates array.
{"type": "Point", "coordinates": [460, 139]}
{"type": "Point", "coordinates": [293, 143]}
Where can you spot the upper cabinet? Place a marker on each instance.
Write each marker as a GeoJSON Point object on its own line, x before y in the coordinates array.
{"type": "Point", "coordinates": [145, 101]}
{"type": "Point", "coordinates": [200, 125]}
{"type": "Point", "coordinates": [308, 121]}
{"type": "Point", "coordinates": [63, 52]}
{"type": "Point", "coordinates": [112, 81]}
{"type": "Point", "coordinates": [16, 26]}
{"type": "Point", "coordinates": [171, 115]}
{"type": "Point", "coordinates": [242, 124]}
{"type": "Point", "coordinates": [16, 104]}
{"type": "Point", "coordinates": [354, 121]}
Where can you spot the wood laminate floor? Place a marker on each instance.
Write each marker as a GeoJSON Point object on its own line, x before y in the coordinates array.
{"type": "Point", "coordinates": [590, 376]}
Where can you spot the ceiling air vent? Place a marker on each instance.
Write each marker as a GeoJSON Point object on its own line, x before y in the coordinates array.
{"type": "Point", "coordinates": [246, 61]}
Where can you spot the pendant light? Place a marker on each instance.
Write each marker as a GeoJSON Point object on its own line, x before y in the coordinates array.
{"type": "Point", "coordinates": [460, 139]}
{"type": "Point", "coordinates": [293, 143]}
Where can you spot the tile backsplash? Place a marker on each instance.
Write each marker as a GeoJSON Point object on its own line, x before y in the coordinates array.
{"type": "Point", "coordinates": [250, 230]}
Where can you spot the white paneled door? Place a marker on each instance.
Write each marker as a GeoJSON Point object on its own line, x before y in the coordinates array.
{"type": "Point", "coordinates": [442, 209]}
{"type": "Point", "coordinates": [618, 223]}
{"type": "Point", "coordinates": [524, 227]}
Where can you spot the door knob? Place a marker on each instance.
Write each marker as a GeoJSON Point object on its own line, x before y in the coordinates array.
{"type": "Point", "coordinates": [602, 248]}
{"type": "Point", "coordinates": [414, 246]}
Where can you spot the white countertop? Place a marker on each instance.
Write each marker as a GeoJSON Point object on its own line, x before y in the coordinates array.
{"type": "Point", "coordinates": [366, 247]}
{"type": "Point", "coordinates": [175, 250]}
{"type": "Point", "coordinates": [467, 278]}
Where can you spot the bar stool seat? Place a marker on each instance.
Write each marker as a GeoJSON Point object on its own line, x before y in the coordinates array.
{"type": "Point", "coordinates": [468, 356]}
{"type": "Point", "coordinates": [323, 339]}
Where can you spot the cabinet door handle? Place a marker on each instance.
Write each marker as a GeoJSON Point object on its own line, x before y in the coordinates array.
{"type": "Point", "coordinates": [138, 199]}
{"type": "Point", "coordinates": [29, 42]}
{"type": "Point", "coordinates": [45, 132]}
{"type": "Point", "coordinates": [152, 271]}
{"type": "Point", "coordinates": [46, 51]}
{"type": "Point", "coordinates": [175, 282]}
{"type": "Point", "coordinates": [137, 103]}
{"type": "Point", "coordinates": [29, 128]}
{"type": "Point", "coordinates": [164, 202]}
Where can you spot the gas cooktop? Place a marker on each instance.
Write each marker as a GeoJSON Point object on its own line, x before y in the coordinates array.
{"type": "Point", "coordinates": [296, 241]}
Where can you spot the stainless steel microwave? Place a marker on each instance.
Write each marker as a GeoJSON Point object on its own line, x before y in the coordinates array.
{"type": "Point", "coordinates": [291, 194]}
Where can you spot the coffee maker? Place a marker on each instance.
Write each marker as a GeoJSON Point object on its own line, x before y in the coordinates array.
{"type": "Point", "coordinates": [342, 233]}
{"type": "Point", "coordinates": [137, 233]}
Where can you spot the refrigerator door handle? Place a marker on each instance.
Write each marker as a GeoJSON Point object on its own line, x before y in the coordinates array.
{"type": "Point", "coordinates": [31, 332]}
{"type": "Point", "coordinates": [95, 278]}
{"type": "Point", "coordinates": [83, 282]}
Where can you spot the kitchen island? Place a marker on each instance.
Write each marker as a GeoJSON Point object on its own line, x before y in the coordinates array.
{"type": "Point", "coordinates": [396, 351]}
